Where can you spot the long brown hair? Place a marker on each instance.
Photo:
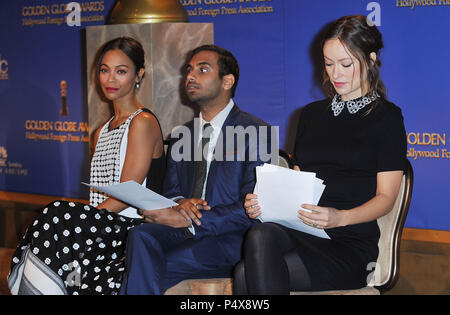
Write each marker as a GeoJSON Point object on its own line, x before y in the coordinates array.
{"type": "Point", "coordinates": [361, 39]}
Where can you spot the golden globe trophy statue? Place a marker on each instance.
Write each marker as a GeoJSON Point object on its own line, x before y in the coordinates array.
{"type": "Point", "coordinates": [147, 11]}
{"type": "Point", "coordinates": [64, 108]}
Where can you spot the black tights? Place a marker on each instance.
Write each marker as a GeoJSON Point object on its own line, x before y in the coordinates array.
{"type": "Point", "coordinates": [271, 263]}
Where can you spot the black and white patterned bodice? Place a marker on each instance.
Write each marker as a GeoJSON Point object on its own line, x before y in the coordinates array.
{"type": "Point", "coordinates": [105, 165]}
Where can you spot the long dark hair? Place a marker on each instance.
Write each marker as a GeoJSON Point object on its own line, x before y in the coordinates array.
{"type": "Point", "coordinates": [361, 39]}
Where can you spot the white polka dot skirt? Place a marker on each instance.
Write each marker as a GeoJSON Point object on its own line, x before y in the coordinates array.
{"type": "Point", "coordinates": [83, 245]}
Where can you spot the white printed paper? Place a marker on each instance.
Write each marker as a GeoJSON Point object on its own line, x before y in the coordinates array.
{"type": "Point", "coordinates": [136, 195]}
{"type": "Point", "coordinates": [282, 191]}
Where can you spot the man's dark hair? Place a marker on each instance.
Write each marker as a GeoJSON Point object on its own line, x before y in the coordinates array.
{"type": "Point", "coordinates": [227, 62]}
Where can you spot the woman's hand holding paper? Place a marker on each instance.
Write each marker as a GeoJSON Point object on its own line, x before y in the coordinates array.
{"type": "Point", "coordinates": [251, 206]}
{"type": "Point", "coordinates": [320, 217]}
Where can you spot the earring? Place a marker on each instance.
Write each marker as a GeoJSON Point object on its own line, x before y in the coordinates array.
{"type": "Point", "coordinates": [138, 84]}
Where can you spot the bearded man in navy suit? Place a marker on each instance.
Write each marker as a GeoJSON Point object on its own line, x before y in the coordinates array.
{"type": "Point", "coordinates": [211, 167]}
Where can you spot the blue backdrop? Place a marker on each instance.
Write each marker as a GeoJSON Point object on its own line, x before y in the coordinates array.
{"type": "Point", "coordinates": [274, 40]}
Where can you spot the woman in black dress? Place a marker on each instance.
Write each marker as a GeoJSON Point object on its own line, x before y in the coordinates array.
{"type": "Point", "coordinates": [356, 142]}
{"type": "Point", "coordinates": [74, 248]}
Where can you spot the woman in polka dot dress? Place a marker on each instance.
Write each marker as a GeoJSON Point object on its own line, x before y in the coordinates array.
{"type": "Point", "coordinates": [73, 248]}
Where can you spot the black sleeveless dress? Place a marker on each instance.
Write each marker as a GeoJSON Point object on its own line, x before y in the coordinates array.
{"type": "Point", "coordinates": [73, 248]}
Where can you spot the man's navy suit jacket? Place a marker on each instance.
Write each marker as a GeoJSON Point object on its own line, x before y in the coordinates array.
{"type": "Point", "coordinates": [228, 183]}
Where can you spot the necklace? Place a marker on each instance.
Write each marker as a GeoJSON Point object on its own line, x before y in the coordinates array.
{"type": "Point", "coordinates": [353, 106]}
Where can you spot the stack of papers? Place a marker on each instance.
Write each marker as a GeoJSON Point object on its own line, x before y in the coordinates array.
{"type": "Point", "coordinates": [282, 191]}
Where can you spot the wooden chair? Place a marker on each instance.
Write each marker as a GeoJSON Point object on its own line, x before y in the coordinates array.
{"type": "Point", "coordinates": [385, 271]}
